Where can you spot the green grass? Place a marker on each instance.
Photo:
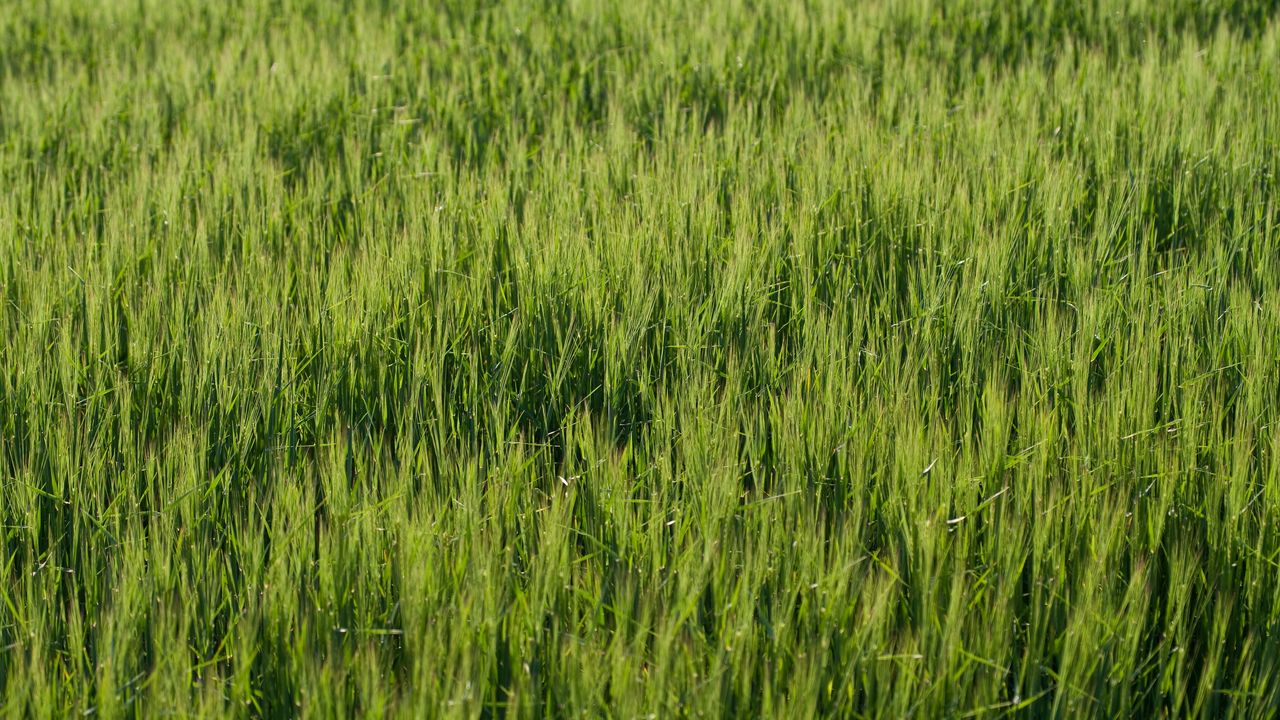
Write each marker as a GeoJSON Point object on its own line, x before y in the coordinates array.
{"type": "Point", "coordinates": [640, 358]}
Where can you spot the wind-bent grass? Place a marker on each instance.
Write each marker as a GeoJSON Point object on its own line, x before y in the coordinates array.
{"type": "Point", "coordinates": [640, 358]}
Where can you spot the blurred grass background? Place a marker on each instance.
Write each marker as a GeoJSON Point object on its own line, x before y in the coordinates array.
{"type": "Point", "coordinates": [484, 358]}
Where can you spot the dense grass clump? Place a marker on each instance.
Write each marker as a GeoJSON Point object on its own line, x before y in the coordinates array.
{"type": "Point", "coordinates": [640, 358]}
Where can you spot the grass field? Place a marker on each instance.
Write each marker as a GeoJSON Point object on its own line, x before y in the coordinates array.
{"type": "Point", "coordinates": [640, 358]}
